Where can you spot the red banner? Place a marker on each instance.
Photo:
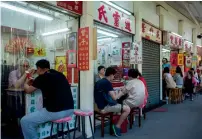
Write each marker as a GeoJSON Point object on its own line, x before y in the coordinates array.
{"type": "Point", "coordinates": [69, 75]}
{"type": "Point", "coordinates": [76, 75]}
{"type": "Point", "coordinates": [83, 48]}
{"type": "Point", "coordinates": [73, 6]}
{"type": "Point", "coordinates": [173, 59]}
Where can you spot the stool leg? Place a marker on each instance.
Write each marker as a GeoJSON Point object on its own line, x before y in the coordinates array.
{"type": "Point", "coordinates": [139, 117]}
{"type": "Point", "coordinates": [57, 129]}
{"type": "Point", "coordinates": [131, 120]}
{"type": "Point", "coordinates": [69, 131]}
{"type": "Point", "coordinates": [51, 130]}
{"type": "Point", "coordinates": [102, 126]}
{"type": "Point", "coordinates": [62, 131]}
{"type": "Point", "coordinates": [91, 126]}
{"type": "Point", "coordinates": [111, 123]}
{"type": "Point", "coordinates": [83, 127]}
{"type": "Point", "coordinates": [75, 128]}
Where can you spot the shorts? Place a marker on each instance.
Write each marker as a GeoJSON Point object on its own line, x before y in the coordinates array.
{"type": "Point", "coordinates": [116, 108]}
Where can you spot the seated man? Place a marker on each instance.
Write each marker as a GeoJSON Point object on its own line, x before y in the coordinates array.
{"type": "Point", "coordinates": [135, 89]}
{"type": "Point", "coordinates": [105, 98]}
{"type": "Point", "coordinates": [17, 77]}
{"type": "Point", "coordinates": [101, 73]}
{"type": "Point", "coordinates": [58, 101]}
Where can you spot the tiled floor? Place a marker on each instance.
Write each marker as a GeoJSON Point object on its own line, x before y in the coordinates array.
{"type": "Point", "coordinates": [181, 121]}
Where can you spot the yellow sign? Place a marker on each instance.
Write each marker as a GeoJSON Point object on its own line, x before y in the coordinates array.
{"type": "Point", "coordinates": [60, 60]}
{"type": "Point", "coordinates": [39, 51]}
{"type": "Point", "coordinates": [180, 60]}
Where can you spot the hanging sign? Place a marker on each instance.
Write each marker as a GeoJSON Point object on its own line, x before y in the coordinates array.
{"type": "Point", "coordinates": [111, 16]}
{"type": "Point", "coordinates": [194, 61]}
{"type": "Point", "coordinates": [173, 58]}
{"type": "Point", "coordinates": [174, 40]}
{"type": "Point", "coordinates": [126, 54]}
{"type": "Point", "coordinates": [39, 51]}
{"type": "Point", "coordinates": [188, 46]}
{"type": "Point", "coordinates": [151, 33]}
{"type": "Point", "coordinates": [83, 48]}
{"type": "Point", "coordinates": [60, 64]}
{"type": "Point", "coordinates": [188, 61]}
{"type": "Point", "coordinates": [73, 6]}
{"type": "Point", "coordinates": [136, 53]}
{"type": "Point", "coordinates": [180, 60]}
{"type": "Point", "coordinates": [199, 50]}
{"type": "Point", "coordinates": [71, 58]}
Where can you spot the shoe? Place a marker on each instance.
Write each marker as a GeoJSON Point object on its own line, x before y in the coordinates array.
{"type": "Point", "coordinates": [117, 131]}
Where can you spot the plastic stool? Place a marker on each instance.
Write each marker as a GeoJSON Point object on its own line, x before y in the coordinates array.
{"type": "Point", "coordinates": [83, 114]}
{"type": "Point", "coordinates": [61, 121]}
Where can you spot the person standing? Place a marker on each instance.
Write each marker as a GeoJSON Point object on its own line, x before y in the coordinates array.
{"type": "Point", "coordinates": [165, 63]}
{"type": "Point", "coordinates": [57, 96]}
{"type": "Point", "coordinates": [178, 77]}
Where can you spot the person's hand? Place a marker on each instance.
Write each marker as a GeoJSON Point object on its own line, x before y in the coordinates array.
{"type": "Point", "coordinates": [31, 71]}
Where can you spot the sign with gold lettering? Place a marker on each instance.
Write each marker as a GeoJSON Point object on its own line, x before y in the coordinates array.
{"type": "Point", "coordinates": [83, 48]}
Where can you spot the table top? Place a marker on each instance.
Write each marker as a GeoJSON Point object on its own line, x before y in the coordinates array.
{"type": "Point", "coordinates": [15, 89]}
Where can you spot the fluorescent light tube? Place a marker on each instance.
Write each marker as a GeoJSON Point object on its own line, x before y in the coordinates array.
{"type": "Point", "coordinates": [117, 7]}
{"type": "Point", "coordinates": [165, 50]}
{"type": "Point", "coordinates": [106, 33]}
{"type": "Point", "coordinates": [24, 11]}
{"type": "Point", "coordinates": [176, 34]}
{"type": "Point", "coordinates": [104, 39]}
{"type": "Point", "coordinates": [55, 32]}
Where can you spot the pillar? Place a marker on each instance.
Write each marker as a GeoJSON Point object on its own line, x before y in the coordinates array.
{"type": "Point", "coordinates": [194, 40]}
{"type": "Point", "coordinates": [87, 77]}
{"type": "Point", "coordinates": [181, 27]}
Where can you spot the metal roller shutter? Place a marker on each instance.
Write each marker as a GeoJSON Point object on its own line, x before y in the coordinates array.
{"type": "Point", "coordinates": [151, 70]}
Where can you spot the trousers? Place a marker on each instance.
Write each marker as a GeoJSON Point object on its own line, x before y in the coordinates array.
{"type": "Point", "coordinates": [30, 122]}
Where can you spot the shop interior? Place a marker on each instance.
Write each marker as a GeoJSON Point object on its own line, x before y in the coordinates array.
{"type": "Point", "coordinates": [33, 32]}
{"type": "Point", "coordinates": [113, 49]}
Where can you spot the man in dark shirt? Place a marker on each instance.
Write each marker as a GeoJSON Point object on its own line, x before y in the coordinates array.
{"type": "Point", "coordinates": [57, 96]}
{"type": "Point", "coordinates": [106, 99]}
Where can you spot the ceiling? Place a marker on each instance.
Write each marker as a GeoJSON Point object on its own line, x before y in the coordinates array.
{"type": "Point", "coordinates": [190, 9]}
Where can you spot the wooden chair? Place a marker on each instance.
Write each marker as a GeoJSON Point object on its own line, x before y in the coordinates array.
{"type": "Point", "coordinates": [173, 95]}
{"type": "Point", "coordinates": [132, 114]}
{"type": "Point", "coordinates": [103, 117]}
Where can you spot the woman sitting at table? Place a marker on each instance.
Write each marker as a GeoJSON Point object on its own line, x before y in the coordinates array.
{"type": "Point", "coordinates": [135, 89]}
{"type": "Point", "coordinates": [17, 77]}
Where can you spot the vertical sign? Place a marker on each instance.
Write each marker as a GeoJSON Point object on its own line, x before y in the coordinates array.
{"type": "Point", "coordinates": [126, 54]}
{"type": "Point", "coordinates": [136, 53]}
{"type": "Point", "coordinates": [180, 60]}
{"type": "Point", "coordinates": [194, 62]}
{"type": "Point", "coordinates": [173, 58]}
{"type": "Point", "coordinates": [83, 48]}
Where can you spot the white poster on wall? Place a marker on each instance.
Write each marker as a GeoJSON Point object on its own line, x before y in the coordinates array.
{"type": "Point", "coordinates": [136, 53]}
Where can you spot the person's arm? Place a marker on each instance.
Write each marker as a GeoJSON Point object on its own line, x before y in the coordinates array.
{"type": "Point", "coordinates": [14, 82]}
{"type": "Point", "coordinates": [114, 95]}
{"type": "Point", "coordinates": [29, 89]}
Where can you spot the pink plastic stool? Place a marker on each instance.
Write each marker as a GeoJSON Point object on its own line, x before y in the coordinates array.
{"type": "Point", "coordinates": [61, 121]}
{"type": "Point", "coordinates": [83, 114]}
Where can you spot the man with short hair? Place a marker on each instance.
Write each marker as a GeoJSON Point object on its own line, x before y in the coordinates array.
{"type": "Point", "coordinates": [57, 98]}
{"type": "Point", "coordinates": [101, 73]}
{"type": "Point", "coordinates": [106, 99]}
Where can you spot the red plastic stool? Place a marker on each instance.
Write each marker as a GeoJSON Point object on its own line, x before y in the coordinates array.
{"type": "Point", "coordinates": [83, 114]}
{"type": "Point", "coordinates": [61, 121]}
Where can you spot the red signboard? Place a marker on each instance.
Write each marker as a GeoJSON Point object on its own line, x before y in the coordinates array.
{"type": "Point", "coordinates": [83, 48]}
{"type": "Point", "coordinates": [173, 59]}
{"type": "Point", "coordinates": [76, 75]}
{"type": "Point", "coordinates": [73, 6]}
{"type": "Point", "coordinates": [175, 41]}
{"type": "Point", "coordinates": [69, 75]}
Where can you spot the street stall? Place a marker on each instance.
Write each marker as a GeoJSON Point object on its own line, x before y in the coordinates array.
{"type": "Point", "coordinates": [48, 33]}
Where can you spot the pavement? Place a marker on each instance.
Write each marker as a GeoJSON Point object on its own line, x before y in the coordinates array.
{"type": "Point", "coordinates": [180, 121]}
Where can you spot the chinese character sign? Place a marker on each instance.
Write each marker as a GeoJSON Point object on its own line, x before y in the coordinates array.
{"type": "Point", "coordinates": [180, 60]}
{"type": "Point", "coordinates": [188, 46]}
{"type": "Point", "coordinates": [83, 48]}
{"type": "Point", "coordinates": [173, 58]}
{"type": "Point", "coordinates": [136, 53]}
{"type": "Point", "coordinates": [73, 6]}
{"type": "Point", "coordinates": [194, 61]}
{"type": "Point", "coordinates": [113, 17]}
{"type": "Point", "coordinates": [151, 33]}
{"type": "Point", "coordinates": [126, 54]}
{"type": "Point", "coordinates": [175, 41]}
{"type": "Point", "coordinates": [188, 62]}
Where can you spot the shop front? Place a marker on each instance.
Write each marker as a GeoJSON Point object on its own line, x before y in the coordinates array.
{"type": "Point", "coordinates": [33, 31]}
{"type": "Point", "coordinates": [151, 40]}
{"type": "Point", "coordinates": [199, 56]}
{"type": "Point", "coordinates": [190, 60]}
{"type": "Point", "coordinates": [115, 28]}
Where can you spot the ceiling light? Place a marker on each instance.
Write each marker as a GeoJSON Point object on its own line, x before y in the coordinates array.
{"type": "Point", "coordinates": [117, 7]}
{"type": "Point", "coordinates": [24, 11]}
{"type": "Point", "coordinates": [106, 33]}
{"type": "Point", "coordinates": [165, 50]}
{"type": "Point", "coordinates": [104, 39]}
{"type": "Point", "coordinates": [55, 32]}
